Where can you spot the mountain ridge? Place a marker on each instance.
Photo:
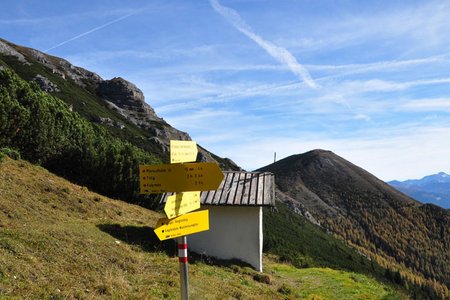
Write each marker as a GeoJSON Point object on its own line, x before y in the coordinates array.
{"type": "Point", "coordinates": [433, 189]}
{"type": "Point", "coordinates": [116, 104]}
{"type": "Point", "coordinates": [305, 169]}
{"type": "Point", "coordinates": [369, 214]}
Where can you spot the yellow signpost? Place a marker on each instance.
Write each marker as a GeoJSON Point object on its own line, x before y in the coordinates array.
{"type": "Point", "coordinates": [187, 179]}
{"type": "Point", "coordinates": [183, 151]}
{"type": "Point", "coordinates": [183, 225]}
{"type": "Point", "coordinates": [181, 203]}
{"type": "Point", "coordinates": [179, 177]}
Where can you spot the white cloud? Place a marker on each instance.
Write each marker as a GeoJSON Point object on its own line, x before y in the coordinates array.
{"type": "Point", "coordinates": [193, 95]}
{"type": "Point", "coordinates": [381, 66]}
{"type": "Point", "coordinates": [67, 18]}
{"type": "Point", "coordinates": [392, 155]}
{"type": "Point", "coordinates": [154, 54]}
{"type": "Point", "coordinates": [198, 118]}
{"type": "Point", "coordinates": [279, 53]}
{"type": "Point", "coordinates": [206, 66]}
{"type": "Point", "coordinates": [429, 104]}
{"type": "Point", "coordinates": [90, 31]}
{"type": "Point", "coordinates": [362, 117]}
{"type": "Point", "coordinates": [420, 26]}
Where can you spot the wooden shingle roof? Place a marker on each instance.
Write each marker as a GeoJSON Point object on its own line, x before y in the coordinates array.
{"type": "Point", "coordinates": [240, 188]}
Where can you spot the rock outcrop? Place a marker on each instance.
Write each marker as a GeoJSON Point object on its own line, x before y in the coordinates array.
{"type": "Point", "coordinates": [6, 49]}
{"type": "Point", "coordinates": [45, 84]}
{"type": "Point", "coordinates": [128, 100]}
{"type": "Point", "coordinates": [120, 95]}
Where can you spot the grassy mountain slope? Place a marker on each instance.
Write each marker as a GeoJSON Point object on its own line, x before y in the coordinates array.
{"type": "Point", "coordinates": [44, 130]}
{"type": "Point", "coordinates": [398, 232]}
{"type": "Point", "coordinates": [83, 100]}
{"type": "Point", "coordinates": [59, 240]}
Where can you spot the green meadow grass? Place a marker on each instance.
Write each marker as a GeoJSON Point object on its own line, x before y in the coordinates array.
{"type": "Point", "coordinates": [325, 283]}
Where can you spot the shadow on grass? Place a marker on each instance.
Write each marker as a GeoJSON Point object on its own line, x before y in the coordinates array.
{"type": "Point", "coordinates": [195, 258]}
{"type": "Point", "coordinates": [143, 237]}
{"type": "Point", "coordinates": [146, 239]}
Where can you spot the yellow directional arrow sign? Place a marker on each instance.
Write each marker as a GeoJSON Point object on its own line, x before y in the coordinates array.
{"type": "Point", "coordinates": [182, 225]}
{"type": "Point", "coordinates": [179, 177]}
{"type": "Point", "coordinates": [181, 203]}
{"type": "Point", "coordinates": [183, 151]}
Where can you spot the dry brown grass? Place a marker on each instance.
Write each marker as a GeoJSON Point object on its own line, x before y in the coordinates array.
{"type": "Point", "coordinates": [61, 241]}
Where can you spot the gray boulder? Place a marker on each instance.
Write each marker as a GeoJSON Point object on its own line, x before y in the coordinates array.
{"type": "Point", "coordinates": [45, 84]}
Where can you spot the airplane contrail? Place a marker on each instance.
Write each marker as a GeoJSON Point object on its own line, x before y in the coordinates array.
{"type": "Point", "coordinates": [90, 31]}
{"type": "Point", "coordinates": [279, 53]}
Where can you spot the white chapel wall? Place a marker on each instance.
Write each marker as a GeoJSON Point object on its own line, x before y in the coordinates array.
{"type": "Point", "coordinates": [235, 232]}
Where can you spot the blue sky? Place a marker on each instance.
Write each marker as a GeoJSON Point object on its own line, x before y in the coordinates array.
{"type": "Point", "coordinates": [368, 80]}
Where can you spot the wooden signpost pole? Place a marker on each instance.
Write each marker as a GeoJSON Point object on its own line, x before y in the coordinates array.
{"type": "Point", "coordinates": [183, 259]}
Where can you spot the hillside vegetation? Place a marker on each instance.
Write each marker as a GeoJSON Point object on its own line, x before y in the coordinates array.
{"type": "Point", "coordinates": [296, 240]}
{"type": "Point", "coordinates": [81, 97]}
{"type": "Point", "coordinates": [411, 239]}
{"type": "Point", "coordinates": [60, 241]}
{"type": "Point", "coordinates": [79, 89]}
{"type": "Point", "coordinates": [45, 131]}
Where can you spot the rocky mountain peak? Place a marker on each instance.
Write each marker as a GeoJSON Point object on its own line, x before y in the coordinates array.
{"type": "Point", "coordinates": [57, 65]}
{"type": "Point", "coordinates": [126, 98]}
{"type": "Point", "coordinates": [55, 74]}
{"type": "Point", "coordinates": [325, 183]}
{"type": "Point", "coordinates": [121, 91]}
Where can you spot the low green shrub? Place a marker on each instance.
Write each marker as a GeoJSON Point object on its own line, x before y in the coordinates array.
{"type": "Point", "coordinates": [11, 153]}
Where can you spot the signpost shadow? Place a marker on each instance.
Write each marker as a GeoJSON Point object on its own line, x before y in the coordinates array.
{"type": "Point", "coordinates": [146, 239]}
{"type": "Point", "coordinates": [196, 258]}
{"type": "Point", "coordinates": [142, 236]}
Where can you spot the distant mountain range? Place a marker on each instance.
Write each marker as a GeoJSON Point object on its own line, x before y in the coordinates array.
{"type": "Point", "coordinates": [433, 189]}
